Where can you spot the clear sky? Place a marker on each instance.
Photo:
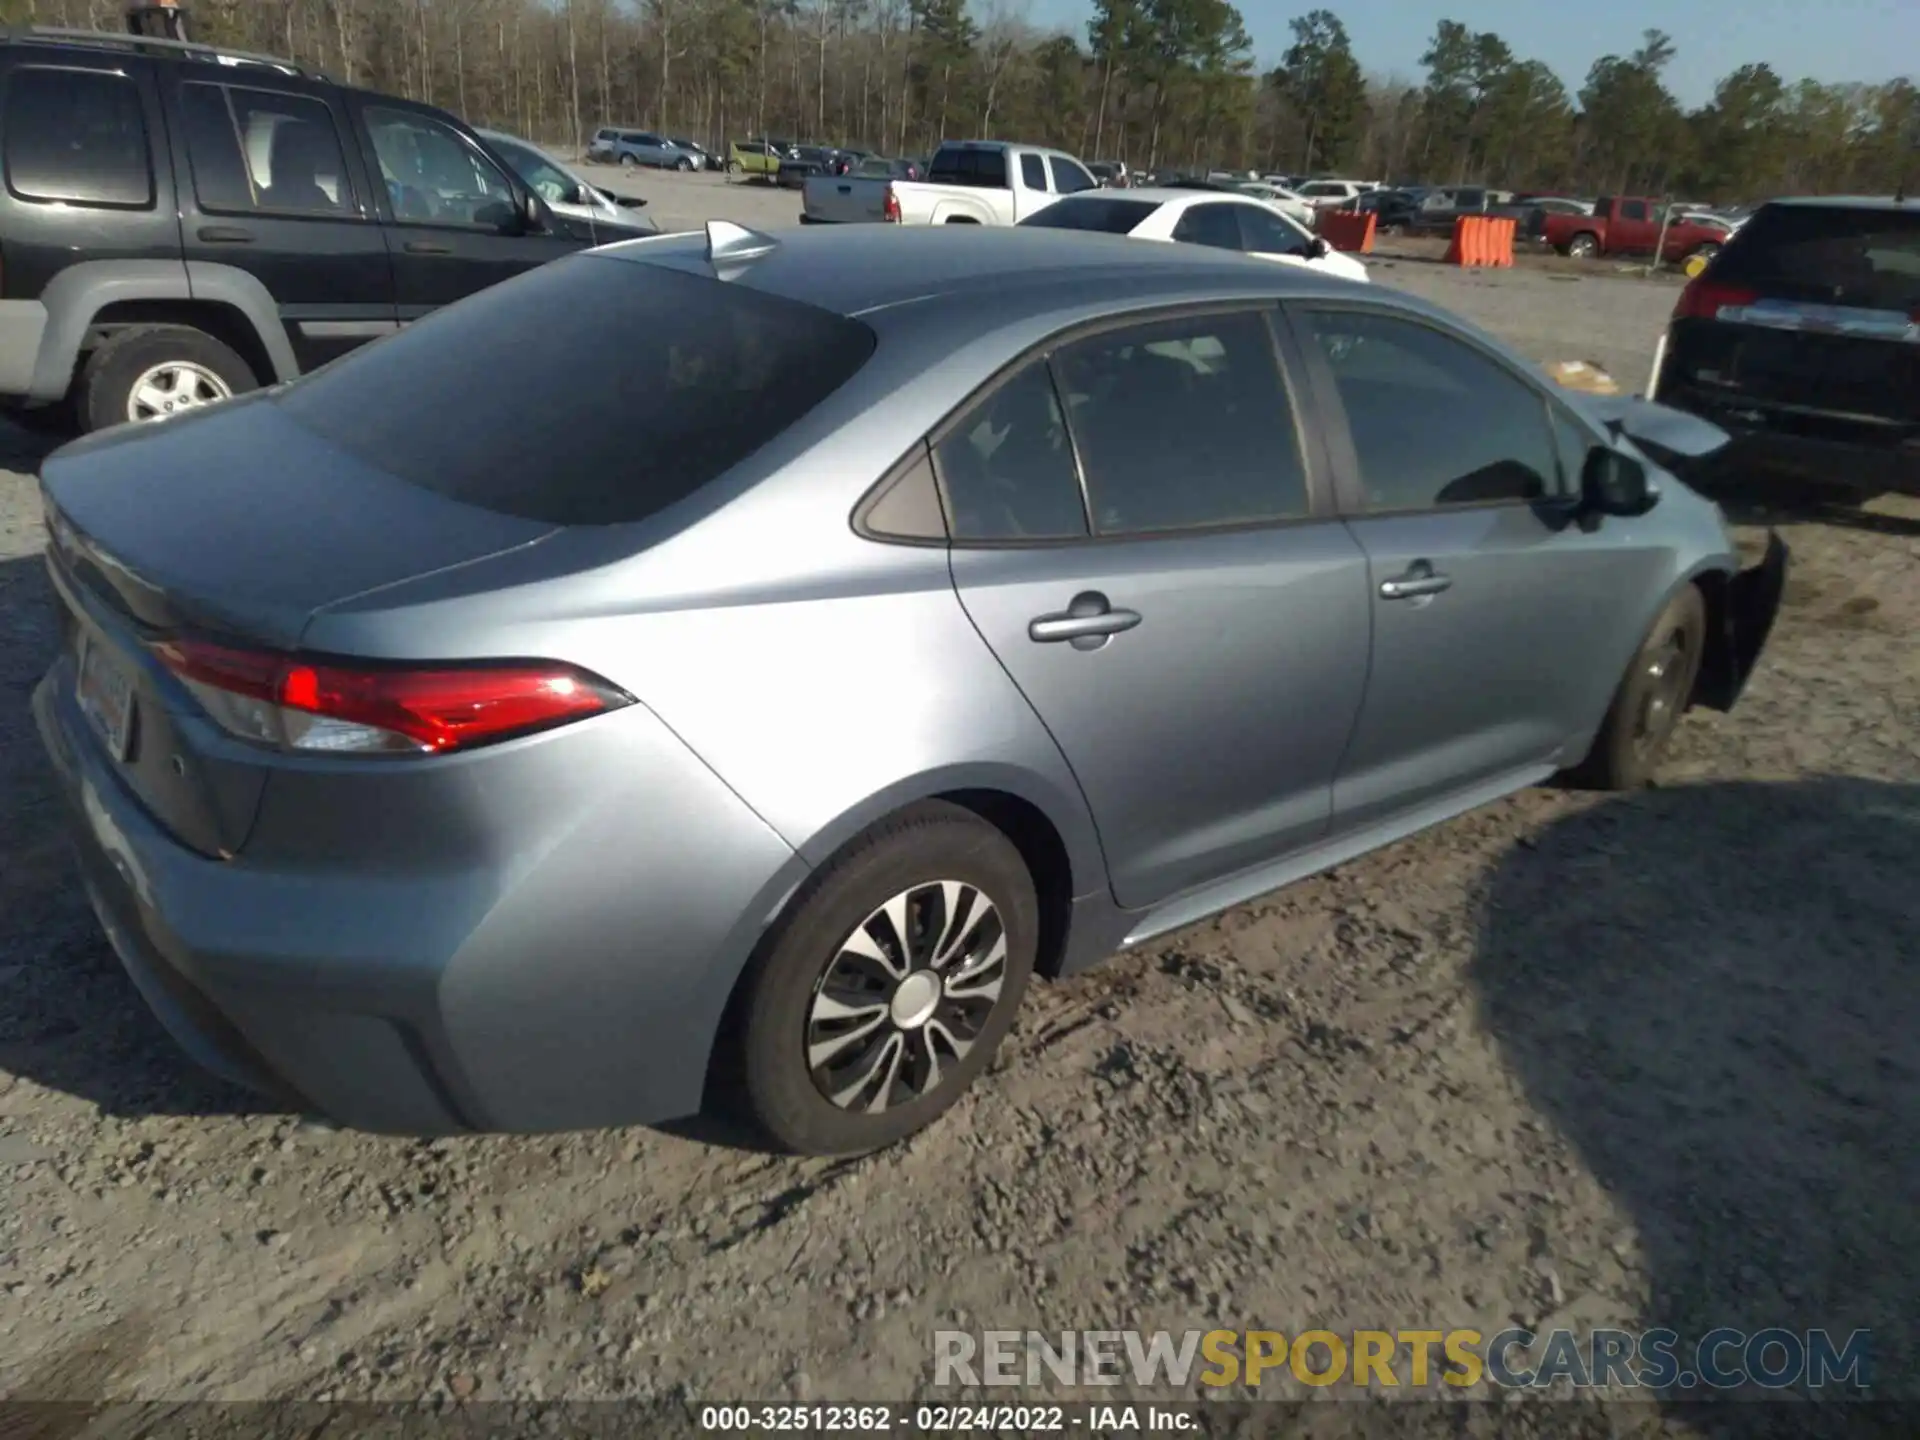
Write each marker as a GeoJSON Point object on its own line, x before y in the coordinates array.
{"type": "Point", "coordinates": [1829, 40]}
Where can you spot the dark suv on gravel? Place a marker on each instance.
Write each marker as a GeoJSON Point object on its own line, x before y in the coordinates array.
{"type": "Point", "coordinates": [182, 223]}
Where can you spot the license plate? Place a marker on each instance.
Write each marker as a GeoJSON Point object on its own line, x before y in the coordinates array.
{"type": "Point", "coordinates": [105, 693]}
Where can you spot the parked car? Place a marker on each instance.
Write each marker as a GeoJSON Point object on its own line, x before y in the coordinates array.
{"type": "Point", "coordinates": [405, 781]}
{"type": "Point", "coordinates": [599, 149]}
{"type": "Point", "coordinates": [611, 217]}
{"type": "Point", "coordinates": [1393, 210]}
{"type": "Point", "coordinates": [972, 182]}
{"type": "Point", "coordinates": [1223, 221]}
{"type": "Point", "coordinates": [1293, 206]}
{"type": "Point", "coordinates": [1557, 204]}
{"type": "Point", "coordinates": [805, 162]}
{"type": "Point", "coordinates": [1802, 337]}
{"type": "Point", "coordinates": [1330, 192]}
{"type": "Point", "coordinates": [841, 200]}
{"type": "Point", "coordinates": [1110, 173]}
{"type": "Point", "coordinates": [697, 152]}
{"type": "Point", "coordinates": [1631, 226]}
{"type": "Point", "coordinates": [182, 223]}
{"type": "Point", "coordinates": [1440, 208]}
{"type": "Point", "coordinates": [643, 147]}
{"type": "Point", "coordinates": [757, 157]}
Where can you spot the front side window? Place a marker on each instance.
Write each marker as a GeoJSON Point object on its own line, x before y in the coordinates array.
{"type": "Point", "coordinates": [76, 137]}
{"type": "Point", "coordinates": [433, 176]}
{"type": "Point", "coordinates": [1069, 178]}
{"type": "Point", "coordinates": [540, 174]}
{"type": "Point", "coordinates": [1183, 423]}
{"type": "Point", "coordinates": [1435, 423]}
{"type": "Point", "coordinates": [1008, 467]}
{"type": "Point", "coordinates": [1211, 225]}
{"type": "Point", "coordinates": [263, 150]}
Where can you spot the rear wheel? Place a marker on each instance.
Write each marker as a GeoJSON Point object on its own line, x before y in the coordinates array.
{"type": "Point", "coordinates": [1650, 700]}
{"type": "Point", "coordinates": [890, 986]}
{"type": "Point", "coordinates": [627, 162]}
{"type": "Point", "coordinates": [1583, 246]}
{"type": "Point", "coordinates": [151, 372]}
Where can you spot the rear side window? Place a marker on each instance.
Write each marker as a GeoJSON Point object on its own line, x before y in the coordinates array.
{"type": "Point", "coordinates": [264, 150]}
{"type": "Point", "coordinates": [1183, 423]}
{"type": "Point", "coordinates": [1212, 225]}
{"type": "Point", "coordinates": [77, 137]}
{"type": "Point", "coordinates": [1833, 255]}
{"type": "Point", "coordinates": [612, 389]}
{"type": "Point", "coordinates": [1109, 217]}
{"type": "Point", "coordinates": [1008, 469]}
{"type": "Point", "coordinates": [955, 165]}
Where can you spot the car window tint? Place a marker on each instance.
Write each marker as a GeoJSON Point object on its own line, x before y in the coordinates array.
{"type": "Point", "coordinates": [1852, 256]}
{"type": "Point", "coordinates": [705, 373]}
{"type": "Point", "coordinates": [1265, 233]}
{"type": "Point", "coordinates": [264, 150]}
{"type": "Point", "coordinates": [433, 176]}
{"type": "Point", "coordinates": [1633, 210]}
{"type": "Point", "coordinates": [1183, 423]}
{"type": "Point", "coordinates": [1433, 420]}
{"type": "Point", "coordinates": [960, 165]}
{"type": "Point", "coordinates": [1007, 467]}
{"type": "Point", "coordinates": [1213, 225]}
{"type": "Point", "coordinates": [77, 137]}
{"type": "Point", "coordinates": [1069, 178]}
{"type": "Point", "coordinates": [1100, 213]}
{"type": "Point", "coordinates": [1033, 172]}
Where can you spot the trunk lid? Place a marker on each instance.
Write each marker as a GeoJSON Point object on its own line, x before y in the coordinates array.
{"type": "Point", "coordinates": [174, 527]}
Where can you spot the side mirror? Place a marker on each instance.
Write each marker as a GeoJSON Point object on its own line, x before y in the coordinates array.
{"type": "Point", "coordinates": [1612, 483]}
{"type": "Point", "coordinates": [531, 213]}
{"type": "Point", "coordinates": [1319, 250]}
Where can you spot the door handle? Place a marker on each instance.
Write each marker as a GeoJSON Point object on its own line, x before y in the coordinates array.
{"type": "Point", "coordinates": [225, 235]}
{"type": "Point", "coordinates": [428, 247]}
{"type": "Point", "coordinates": [1419, 578]}
{"type": "Point", "coordinates": [1088, 618]}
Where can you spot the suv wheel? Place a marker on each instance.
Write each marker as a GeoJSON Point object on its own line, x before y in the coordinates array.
{"type": "Point", "coordinates": [627, 162]}
{"type": "Point", "coordinates": [684, 165]}
{"type": "Point", "coordinates": [890, 986]}
{"type": "Point", "coordinates": [148, 372]}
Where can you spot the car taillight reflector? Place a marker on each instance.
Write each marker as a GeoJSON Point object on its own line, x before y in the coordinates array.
{"type": "Point", "coordinates": [327, 705]}
{"type": "Point", "coordinates": [1704, 298]}
{"type": "Point", "coordinates": [891, 206]}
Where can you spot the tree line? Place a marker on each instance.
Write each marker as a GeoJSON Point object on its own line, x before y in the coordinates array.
{"type": "Point", "coordinates": [1157, 83]}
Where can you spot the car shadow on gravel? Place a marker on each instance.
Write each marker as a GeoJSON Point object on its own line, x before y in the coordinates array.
{"type": "Point", "coordinates": [1713, 992]}
{"type": "Point", "coordinates": [1779, 500]}
{"type": "Point", "coordinates": [70, 1019]}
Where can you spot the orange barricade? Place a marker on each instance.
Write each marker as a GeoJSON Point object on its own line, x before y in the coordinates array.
{"type": "Point", "coordinates": [1482, 241]}
{"type": "Point", "coordinates": [1348, 230]}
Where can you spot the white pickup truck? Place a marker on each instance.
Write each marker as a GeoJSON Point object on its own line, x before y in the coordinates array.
{"type": "Point", "coordinates": [971, 182]}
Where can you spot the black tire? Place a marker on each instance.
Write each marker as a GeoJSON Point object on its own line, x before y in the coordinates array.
{"type": "Point", "coordinates": [734, 167]}
{"type": "Point", "coordinates": [1583, 246]}
{"type": "Point", "coordinates": [684, 166]}
{"type": "Point", "coordinates": [1649, 702]}
{"type": "Point", "coordinates": [108, 379]}
{"type": "Point", "coordinates": [922, 845]}
{"type": "Point", "coordinates": [627, 162]}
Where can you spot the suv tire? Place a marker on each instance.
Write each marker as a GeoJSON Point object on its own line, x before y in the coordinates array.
{"type": "Point", "coordinates": [201, 368]}
{"type": "Point", "coordinates": [627, 162]}
{"type": "Point", "coordinates": [832, 985]}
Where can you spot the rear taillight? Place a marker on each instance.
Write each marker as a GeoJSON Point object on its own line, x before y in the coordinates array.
{"type": "Point", "coordinates": [327, 705]}
{"type": "Point", "coordinates": [890, 210]}
{"type": "Point", "coordinates": [1704, 298]}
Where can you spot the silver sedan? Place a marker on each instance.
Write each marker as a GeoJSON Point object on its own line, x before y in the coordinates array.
{"type": "Point", "coordinates": [726, 668]}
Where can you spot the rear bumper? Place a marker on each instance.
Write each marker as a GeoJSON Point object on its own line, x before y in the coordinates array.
{"type": "Point", "coordinates": [1858, 454]}
{"type": "Point", "coordinates": [487, 988]}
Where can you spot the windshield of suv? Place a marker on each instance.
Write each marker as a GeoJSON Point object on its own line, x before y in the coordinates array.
{"type": "Point", "coordinates": [1858, 256]}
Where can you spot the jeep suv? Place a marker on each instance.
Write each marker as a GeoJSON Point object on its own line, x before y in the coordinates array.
{"type": "Point", "coordinates": [182, 223]}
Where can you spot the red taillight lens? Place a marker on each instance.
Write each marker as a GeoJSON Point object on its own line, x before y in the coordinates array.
{"type": "Point", "coordinates": [891, 210]}
{"type": "Point", "coordinates": [326, 705]}
{"type": "Point", "coordinates": [1703, 299]}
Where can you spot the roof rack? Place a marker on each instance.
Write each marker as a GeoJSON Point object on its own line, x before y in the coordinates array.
{"type": "Point", "coordinates": [192, 49]}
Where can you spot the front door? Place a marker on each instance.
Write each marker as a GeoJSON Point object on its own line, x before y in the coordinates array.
{"type": "Point", "coordinates": [1498, 625]}
{"type": "Point", "coordinates": [456, 224]}
{"type": "Point", "coordinates": [1169, 589]}
{"type": "Point", "coordinates": [276, 193]}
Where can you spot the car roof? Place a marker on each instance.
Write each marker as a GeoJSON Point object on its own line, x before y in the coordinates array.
{"type": "Point", "coordinates": [858, 269]}
{"type": "Point", "coordinates": [1847, 202]}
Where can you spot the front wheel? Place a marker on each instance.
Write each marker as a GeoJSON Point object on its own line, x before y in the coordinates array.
{"type": "Point", "coordinates": [734, 167]}
{"type": "Point", "coordinates": [890, 986]}
{"type": "Point", "coordinates": [683, 165]}
{"type": "Point", "coordinates": [152, 372]}
{"type": "Point", "coordinates": [1650, 700]}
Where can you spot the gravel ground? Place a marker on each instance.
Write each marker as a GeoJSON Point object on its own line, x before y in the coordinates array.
{"type": "Point", "coordinates": [1568, 1060]}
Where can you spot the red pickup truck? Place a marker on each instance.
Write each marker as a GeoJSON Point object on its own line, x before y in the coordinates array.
{"type": "Point", "coordinates": [1631, 226]}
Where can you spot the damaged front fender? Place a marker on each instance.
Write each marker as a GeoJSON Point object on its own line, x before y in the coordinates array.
{"type": "Point", "coordinates": [1743, 619]}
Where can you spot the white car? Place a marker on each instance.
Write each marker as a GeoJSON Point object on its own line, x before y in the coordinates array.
{"type": "Point", "coordinates": [1224, 220]}
{"type": "Point", "coordinates": [1331, 193]}
{"type": "Point", "coordinates": [1296, 207]}
{"type": "Point", "coordinates": [566, 193]}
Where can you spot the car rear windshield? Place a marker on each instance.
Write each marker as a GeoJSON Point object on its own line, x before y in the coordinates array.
{"type": "Point", "coordinates": [1829, 254]}
{"type": "Point", "coordinates": [962, 165]}
{"type": "Point", "coordinates": [592, 391]}
{"type": "Point", "coordinates": [1108, 215]}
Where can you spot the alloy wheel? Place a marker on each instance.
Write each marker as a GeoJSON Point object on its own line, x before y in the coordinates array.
{"type": "Point", "coordinates": [905, 997]}
{"type": "Point", "coordinates": [1664, 672]}
{"type": "Point", "coordinates": [173, 387]}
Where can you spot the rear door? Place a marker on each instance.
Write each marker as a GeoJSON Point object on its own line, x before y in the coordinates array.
{"type": "Point", "coordinates": [1143, 538]}
{"type": "Point", "coordinates": [1808, 322]}
{"type": "Point", "coordinates": [1499, 628]}
{"type": "Point", "coordinates": [276, 190]}
{"type": "Point", "coordinates": [1270, 237]}
{"type": "Point", "coordinates": [453, 219]}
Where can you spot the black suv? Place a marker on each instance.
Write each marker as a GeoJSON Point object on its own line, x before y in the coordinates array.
{"type": "Point", "coordinates": [1802, 338]}
{"type": "Point", "coordinates": [181, 223]}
